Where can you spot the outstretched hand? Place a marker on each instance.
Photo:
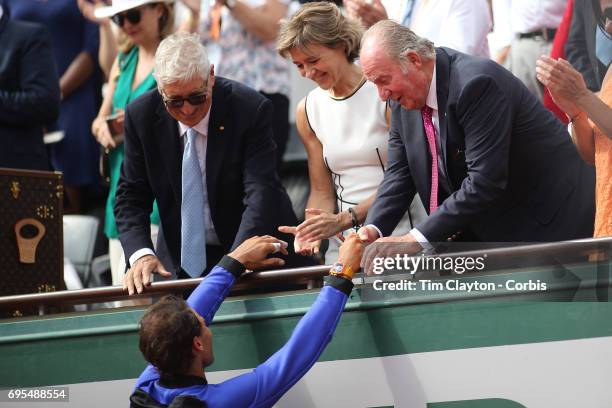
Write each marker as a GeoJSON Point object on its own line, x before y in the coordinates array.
{"type": "Point", "coordinates": [253, 252]}
{"type": "Point", "coordinates": [389, 247]}
{"type": "Point", "coordinates": [321, 224]}
{"type": "Point", "coordinates": [351, 251]}
{"type": "Point", "coordinates": [367, 234]}
{"type": "Point", "coordinates": [299, 245]}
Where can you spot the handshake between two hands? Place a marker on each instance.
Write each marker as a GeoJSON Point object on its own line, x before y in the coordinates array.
{"type": "Point", "coordinates": [322, 225]}
{"type": "Point", "coordinates": [354, 252]}
{"type": "Point", "coordinates": [253, 254]}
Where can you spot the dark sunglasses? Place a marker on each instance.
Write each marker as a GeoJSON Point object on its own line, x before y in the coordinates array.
{"type": "Point", "coordinates": [133, 15]}
{"type": "Point", "coordinates": [196, 98]}
{"type": "Point", "coordinates": [607, 13]}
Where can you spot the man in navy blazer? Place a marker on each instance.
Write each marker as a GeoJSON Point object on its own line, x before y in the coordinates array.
{"type": "Point", "coordinates": [243, 194]}
{"type": "Point", "coordinates": [507, 169]}
{"type": "Point", "coordinates": [29, 92]}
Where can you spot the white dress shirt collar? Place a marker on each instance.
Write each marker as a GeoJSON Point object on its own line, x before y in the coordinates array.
{"type": "Point", "coordinates": [201, 127]}
{"type": "Point", "coordinates": [432, 96]}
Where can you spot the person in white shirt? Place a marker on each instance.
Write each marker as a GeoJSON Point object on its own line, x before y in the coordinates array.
{"type": "Point", "coordinates": [457, 24]}
{"type": "Point", "coordinates": [347, 157]}
{"type": "Point", "coordinates": [524, 30]}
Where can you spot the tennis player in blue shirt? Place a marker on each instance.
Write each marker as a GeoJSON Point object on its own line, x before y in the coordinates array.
{"type": "Point", "coordinates": [176, 340]}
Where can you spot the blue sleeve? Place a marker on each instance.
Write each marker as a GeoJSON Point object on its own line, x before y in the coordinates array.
{"type": "Point", "coordinates": [209, 294]}
{"type": "Point", "coordinates": [205, 300]}
{"type": "Point", "coordinates": [265, 385]}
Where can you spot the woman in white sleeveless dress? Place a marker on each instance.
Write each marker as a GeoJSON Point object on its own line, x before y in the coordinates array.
{"type": "Point", "coordinates": [343, 125]}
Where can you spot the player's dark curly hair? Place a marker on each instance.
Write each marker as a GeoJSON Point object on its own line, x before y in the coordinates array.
{"type": "Point", "coordinates": [167, 329]}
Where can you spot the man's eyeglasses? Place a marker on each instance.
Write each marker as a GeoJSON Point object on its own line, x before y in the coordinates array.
{"type": "Point", "coordinates": [196, 98]}
{"type": "Point", "coordinates": [133, 16]}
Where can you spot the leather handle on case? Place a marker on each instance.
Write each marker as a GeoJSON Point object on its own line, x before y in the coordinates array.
{"type": "Point", "coordinates": [27, 246]}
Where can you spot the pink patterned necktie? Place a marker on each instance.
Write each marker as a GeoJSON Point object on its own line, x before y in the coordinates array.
{"type": "Point", "coordinates": [426, 112]}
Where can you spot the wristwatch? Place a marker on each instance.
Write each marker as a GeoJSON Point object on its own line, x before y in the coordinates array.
{"type": "Point", "coordinates": [342, 271]}
{"type": "Point", "coordinates": [231, 3]}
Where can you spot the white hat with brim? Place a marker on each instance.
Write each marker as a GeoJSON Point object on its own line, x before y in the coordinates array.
{"type": "Point", "coordinates": [119, 6]}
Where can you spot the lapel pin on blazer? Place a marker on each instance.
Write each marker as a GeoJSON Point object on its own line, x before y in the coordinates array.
{"type": "Point", "coordinates": [221, 128]}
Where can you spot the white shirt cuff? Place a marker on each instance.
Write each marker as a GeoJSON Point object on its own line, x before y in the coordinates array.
{"type": "Point", "coordinates": [380, 235]}
{"type": "Point", "coordinates": [139, 254]}
{"type": "Point", "coordinates": [421, 239]}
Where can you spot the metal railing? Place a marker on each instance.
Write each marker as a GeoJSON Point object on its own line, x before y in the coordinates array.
{"type": "Point", "coordinates": [309, 276]}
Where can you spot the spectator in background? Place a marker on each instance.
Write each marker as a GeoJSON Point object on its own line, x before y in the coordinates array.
{"type": "Point", "coordinates": [558, 51]}
{"type": "Point", "coordinates": [457, 24]}
{"type": "Point", "coordinates": [591, 116]}
{"type": "Point", "coordinates": [240, 37]}
{"type": "Point", "coordinates": [346, 157]}
{"type": "Point", "coordinates": [525, 30]}
{"type": "Point", "coordinates": [75, 45]}
{"type": "Point", "coordinates": [580, 45]}
{"type": "Point", "coordinates": [29, 92]}
{"type": "Point", "coordinates": [143, 24]}
{"type": "Point", "coordinates": [109, 33]}
{"type": "Point", "coordinates": [108, 41]}
{"type": "Point", "coordinates": [603, 45]}
{"type": "Point", "coordinates": [370, 12]}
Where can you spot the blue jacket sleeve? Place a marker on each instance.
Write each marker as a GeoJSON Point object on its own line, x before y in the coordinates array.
{"type": "Point", "coordinates": [209, 294]}
{"type": "Point", "coordinates": [205, 300]}
{"type": "Point", "coordinates": [265, 385]}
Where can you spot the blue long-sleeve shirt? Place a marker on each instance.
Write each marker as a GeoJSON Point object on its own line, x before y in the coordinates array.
{"type": "Point", "coordinates": [269, 381]}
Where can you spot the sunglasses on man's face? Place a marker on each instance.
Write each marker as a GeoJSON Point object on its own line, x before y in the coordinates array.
{"type": "Point", "coordinates": [133, 16]}
{"type": "Point", "coordinates": [607, 13]}
{"type": "Point", "coordinates": [196, 98]}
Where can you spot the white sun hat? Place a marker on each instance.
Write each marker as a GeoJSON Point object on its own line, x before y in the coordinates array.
{"type": "Point", "coordinates": [119, 6]}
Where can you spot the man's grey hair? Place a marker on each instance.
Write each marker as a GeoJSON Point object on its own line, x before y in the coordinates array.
{"type": "Point", "coordinates": [397, 40]}
{"type": "Point", "coordinates": [180, 57]}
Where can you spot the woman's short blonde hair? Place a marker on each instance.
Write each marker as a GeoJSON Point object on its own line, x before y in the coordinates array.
{"type": "Point", "coordinates": [166, 27]}
{"type": "Point", "coordinates": [320, 23]}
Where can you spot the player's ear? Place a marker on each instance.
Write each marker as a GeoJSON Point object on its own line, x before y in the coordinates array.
{"type": "Point", "coordinates": [197, 344]}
